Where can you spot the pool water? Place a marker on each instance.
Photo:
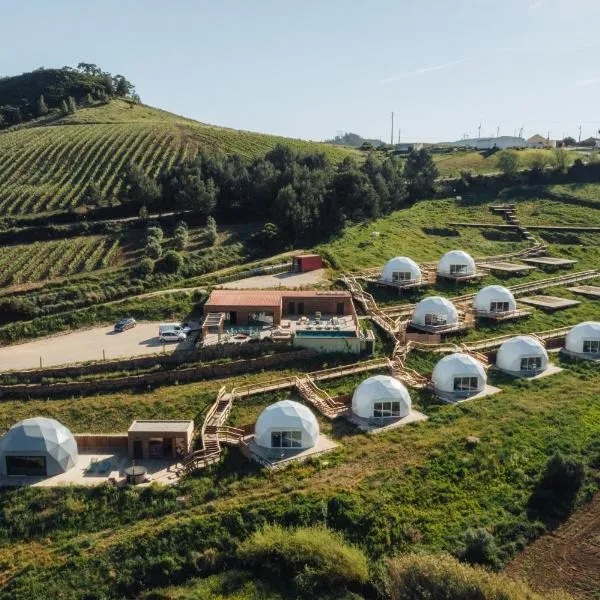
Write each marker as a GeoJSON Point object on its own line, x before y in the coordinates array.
{"type": "Point", "coordinates": [325, 333]}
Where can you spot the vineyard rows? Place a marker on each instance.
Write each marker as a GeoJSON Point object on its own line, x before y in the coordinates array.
{"type": "Point", "coordinates": [48, 168]}
{"type": "Point", "coordinates": [47, 260]}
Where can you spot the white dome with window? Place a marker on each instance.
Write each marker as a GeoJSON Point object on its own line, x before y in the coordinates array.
{"type": "Point", "coordinates": [381, 396]}
{"type": "Point", "coordinates": [584, 338]}
{"type": "Point", "coordinates": [522, 355]}
{"type": "Point", "coordinates": [286, 424]}
{"type": "Point", "coordinates": [459, 373]}
{"type": "Point", "coordinates": [401, 268]}
{"type": "Point", "coordinates": [39, 447]}
{"type": "Point", "coordinates": [456, 262]}
{"type": "Point", "coordinates": [435, 311]}
{"type": "Point", "coordinates": [494, 298]}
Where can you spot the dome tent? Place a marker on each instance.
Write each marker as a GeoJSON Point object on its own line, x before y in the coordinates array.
{"type": "Point", "coordinates": [286, 424]}
{"type": "Point", "coordinates": [584, 338]}
{"type": "Point", "coordinates": [401, 268]}
{"type": "Point", "coordinates": [459, 374]}
{"type": "Point", "coordinates": [38, 446]}
{"type": "Point", "coordinates": [435, 311]}
{"type": "Point", "coordinates": [494, 299]}
{"type": "Point", "coordinates": [381, 396]}
{"type": "Point", "coordinates": [522, 355]}
{"type": "Point", "coordinates": [455, 263]}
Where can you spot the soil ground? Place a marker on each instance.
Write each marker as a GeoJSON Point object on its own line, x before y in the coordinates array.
{"type": "Point", "coordinates": [568, 558]}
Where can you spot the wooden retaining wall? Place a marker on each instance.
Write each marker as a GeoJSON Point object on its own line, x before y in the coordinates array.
{"type": "Point", "coordinates": [101, 440]}
{"type": "Point", "coordinates": [149, 380]}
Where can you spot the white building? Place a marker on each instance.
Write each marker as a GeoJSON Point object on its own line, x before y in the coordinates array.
{"type": "Point", "coordinates": [37, 447]}
{"type": "Point", "coordinates": [456, 263]}
{"type": "Point", "coordinates": [434, 311]}
{"type": "Point", "coordinates": [286, 424]}
{"type": "Point", "coordinates": [381, 396]}
{"type": "Point", "coordinates": [501, 142]}
{"type": "Point", "coordinates": [522, 355]}
{"type": "Point", "coordinates": [458, 375]}
{"type": "Point", "coordinates": [401, 269]}
{"type": "Point", "coordinates": [584, 339]}
{"type": "Point", "coordinates": [494, 299]}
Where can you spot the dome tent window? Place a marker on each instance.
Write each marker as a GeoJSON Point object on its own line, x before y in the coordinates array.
{"type": "Point", "coordinates": [459, 269]}
{"type": "Point", "coordinates": [531, 363]}
{"type": "Point", "coordinates": [434, 319]}
{"type": "Point", "coordinates": [591, 346]}
{"type": "Point", "coordinates": [466, 384]}
{"type": "Point", "coordinates": [386, 409]}
{"type": "Point", "coordinates": [401, 276]}
{"type": "Point", "coordinates": [499, 307]}
{"type": "Point", "coordinates": [286, 439]}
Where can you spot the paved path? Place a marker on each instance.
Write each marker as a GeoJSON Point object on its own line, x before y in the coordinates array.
{"type": "Point", "coordinates": [85, 345]}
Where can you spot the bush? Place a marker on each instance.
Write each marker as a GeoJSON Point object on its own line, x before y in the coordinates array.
{"type": "Point", "coordinates": [145, 267]}
{"type": "Point", "coordinates": [554, 496]}
{"type": "Point", "coordinates": [154, 233]}
{"type": "Point", "coordinates": [480, 548]}
{"type": "Point", "coordinates": [153, 249]}
{"type": "Point", "coordinates": [172, 262]}
{"type": "Point", "coordinates": [314, 558]}
{"type": "Point", "coordinates": [414, 577]}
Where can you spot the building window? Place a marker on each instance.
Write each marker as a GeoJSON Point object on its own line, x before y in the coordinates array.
{"type": "Point", "coordinates": [286, 439]}
{"type": "Point", "coordinates": [386, 409]}
{"type": "Point", "coordinates": [591, 346]}
{"type": "Point", "coordinates": [291, 308]}
{"type": "Point", "coordinates": [458, 269]}
{"type": "Point", "coordinates": [435, 320]}
{"type": "Point", "coordinates": [32, 466]}
{"type": "Point", "coordinates": [499, 307]}
{"type": "Point", "coordinates": [465, 384]}
{"type": "Point", "coordinates": [339, 309]}
{"type": "Point", "coordinates": [531, 363]}
{"type": "Point", "coordinates": [401, 276]}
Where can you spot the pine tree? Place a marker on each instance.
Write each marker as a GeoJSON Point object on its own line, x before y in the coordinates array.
{"type": "Point", "coordinates": [42, 109]}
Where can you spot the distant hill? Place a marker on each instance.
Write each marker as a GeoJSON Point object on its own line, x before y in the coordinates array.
{"type": "Point", "coordinates": [48, 167]}
{"type": "Point", "coordinates": [352, 139]}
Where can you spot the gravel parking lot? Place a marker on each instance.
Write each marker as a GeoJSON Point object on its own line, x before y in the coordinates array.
{"type": "Point", "coordinates": [85, 345]}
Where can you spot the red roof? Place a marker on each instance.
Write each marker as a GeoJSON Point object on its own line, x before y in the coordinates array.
{"type": "Point", "coordinates": [265, 297]}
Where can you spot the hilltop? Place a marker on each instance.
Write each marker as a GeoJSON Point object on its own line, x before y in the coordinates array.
{"type": "Point", "coordinates": [47, 167]}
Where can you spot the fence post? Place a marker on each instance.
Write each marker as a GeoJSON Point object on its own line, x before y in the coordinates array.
{"type": "Point", "coordinates": [41, 362]}
{"type": "Point", "coordinates": [103, 354]}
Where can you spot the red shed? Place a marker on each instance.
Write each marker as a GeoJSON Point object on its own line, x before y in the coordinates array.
{"type": "Point", "coordinates": [307, 262]}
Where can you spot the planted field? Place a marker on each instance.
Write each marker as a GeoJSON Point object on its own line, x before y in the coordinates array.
{"type": "Point", "coordinates": [45, 169]}
{"type": "Point", "coordinates": [48, 260]}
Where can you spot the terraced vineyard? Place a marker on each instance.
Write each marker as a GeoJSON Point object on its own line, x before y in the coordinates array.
{"type": "Point", "coordinates": [44, 169]}
{"type": "Point", "coordinates": [48, 260]}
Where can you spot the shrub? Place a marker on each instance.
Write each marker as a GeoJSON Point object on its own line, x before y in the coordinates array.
{"type": "Point", "coordinates": [154, 233]}
{"type": "Point", "coordinates": [314, 558]}
{"type": "Point", "coordinates": [145, 267]}
{"type": "Point", "coordinates": [414, 577]}
{"type": "Point", "coordinates": [172, 262]}
{"type": "Point", "coordinates": [181, 238]}
{"type": "Point", "coordinates": [480, 548]}
{"type": "Point", "coordinates": [153, 249]}
{"type": "Point", "coordinates": [554, 496]}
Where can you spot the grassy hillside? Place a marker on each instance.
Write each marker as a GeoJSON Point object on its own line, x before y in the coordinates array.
{"type": "Point", "coordinates": [47, 168]}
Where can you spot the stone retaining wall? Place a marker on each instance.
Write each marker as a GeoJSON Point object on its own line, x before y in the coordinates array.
{"type": "Point", "coordinates": [149, 380]}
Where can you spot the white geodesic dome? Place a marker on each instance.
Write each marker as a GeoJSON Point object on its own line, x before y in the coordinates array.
{"type": "Point", "coordinates": [588, 331]}
{"type": "Point", "coordinates": [435, 305]}
{"type": "Point", "coordinates": [493, 293]}
{"type": "Point", "coordinates": [40, 437]}
{"type": "Point", "coordinates": [454, 366]}
{"type": "Point", "coordinates": [517, 348]}
{"type": "Point", "coordinates": [380, 388]}
{"type": "Point", "coordinates": [401, 264]}
{"type": "Point", "coordinates": [286, 415]}
{"type": "Point", "coordinates": [456, 257]}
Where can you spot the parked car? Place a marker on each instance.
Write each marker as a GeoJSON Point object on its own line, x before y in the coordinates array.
{"type": "Point", "coordinates": [171, 332]}
{"type": "Point", "coordinates": [123, 324]}
{"type": "Point", "coordinates": [186, 327]}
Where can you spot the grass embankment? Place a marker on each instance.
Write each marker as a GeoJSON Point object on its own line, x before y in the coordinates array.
{"type": "Point", "coordinates": [37, 172]}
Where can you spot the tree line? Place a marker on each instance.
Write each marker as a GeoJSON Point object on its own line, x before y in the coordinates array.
{"type": "Point", "coordinates": [302, 197]}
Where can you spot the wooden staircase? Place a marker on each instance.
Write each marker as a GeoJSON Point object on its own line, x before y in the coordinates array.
{"type": "Point", "coordinates": [320, 399]}
{"type": "Point", "coordinates": [508, 214]}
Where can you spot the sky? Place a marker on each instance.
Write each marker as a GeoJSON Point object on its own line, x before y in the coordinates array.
{"type": "Point", "coordinates": [312, 68]}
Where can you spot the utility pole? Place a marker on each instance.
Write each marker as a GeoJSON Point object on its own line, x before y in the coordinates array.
{"type": "Point", "coordinates": [580, 133]}
{"type": "Point", "coordinates": [392, 132]}
{"type": "Point", "coordinates": [479, 131]}
{"type": "Point", "coordinates": [399, 135]}
{"type": "Point", "coordinates": [498, 131]}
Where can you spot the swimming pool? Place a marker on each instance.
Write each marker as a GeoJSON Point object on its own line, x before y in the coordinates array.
{"type": "Point", "coordinates": [325, 333]}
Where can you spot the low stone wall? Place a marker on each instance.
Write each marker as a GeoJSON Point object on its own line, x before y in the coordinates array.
{"type": "Point", "coordinates": [170, 360]}
{"type": "Point", "coordinates": [149, 380]}
{"type": "Point", "coordinates": [116, 441]}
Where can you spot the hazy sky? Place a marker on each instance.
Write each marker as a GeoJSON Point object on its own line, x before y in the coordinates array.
{"type": "Point", "coordinates": [311, 68]}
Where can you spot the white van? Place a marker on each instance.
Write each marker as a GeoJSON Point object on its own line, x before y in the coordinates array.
{"type": "Point", "coordinates": [171, 332]}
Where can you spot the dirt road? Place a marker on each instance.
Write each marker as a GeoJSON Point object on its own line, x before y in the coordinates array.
{"type": "Point", "coordinates": [85, 345]}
